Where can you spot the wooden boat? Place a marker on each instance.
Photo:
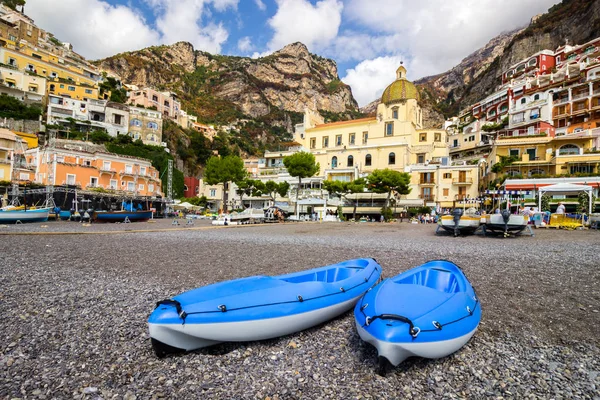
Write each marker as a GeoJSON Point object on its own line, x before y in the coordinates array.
{"type": "Point", "coordinates": [460, 223]}
{"type": "Point", "coordinates": [12, 216]}
{"type": "Point", "coordinates": [429, 311]}
{"type": "Point", "coordinates": [506, 223]}
{"type": "Point", "coordinates": [121, 216]}
{"type": "Point", "coordinates": [259, 307]}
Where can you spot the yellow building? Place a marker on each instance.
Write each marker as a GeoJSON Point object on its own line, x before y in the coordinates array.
{"type": "Point", "coordinates": [393, 139]}
{"type": "Point", "coordinates": [145, 125]}
{"type": "Point", "coordinates": [13, 163]}
{"type": "Point", "coordinates": [538, 156]}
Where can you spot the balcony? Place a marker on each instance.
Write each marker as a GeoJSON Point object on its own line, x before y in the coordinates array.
{"type": "Point", "coordinates": [108, 170]}
{"type": "Point", "coordinates": [427, 182]}
{"type": "Point", "coordinates": [126, 172]}
{"type": "Point", "coordinates": [427, 198]}
{"type": "Point", "coordinates": [580, 95]}
{"type": "Point", "coordinates": [462, 181]}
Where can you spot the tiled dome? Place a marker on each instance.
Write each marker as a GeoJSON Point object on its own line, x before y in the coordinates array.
{"type": "Point", "coordinates": [401, 89]}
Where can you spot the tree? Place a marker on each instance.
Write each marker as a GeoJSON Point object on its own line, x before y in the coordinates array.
{"type": "Point", "coordinates": [343, 189]}
{"type": "Point", "coordinates": [249, 187]}
{"type": "Point", "coordinates": [13, 3]}
{"type": "Point", "coordinates": [388, 181]}
{"type": "Point", "coordinates": [224, 170]}
{"type": "Point", "coordinates": [273, 188]}
{"type": "Point", "coordinates": [302, 165]}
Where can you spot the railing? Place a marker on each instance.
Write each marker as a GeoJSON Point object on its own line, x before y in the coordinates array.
{"type": "Point", "coordinates": [427, 197]}
{"type": "Point", "coordinates": [427, 182]}
{"type": "Point", "coordinates": [521, 133]}
{"type": "Point", "coordinates": [462, 181]}
{"type": "Point", "coordinates": [126, 172]}
{"type": "Point", "coordinates": [580, 95]}
{"type": "Point", "coordinates": [111, 171]}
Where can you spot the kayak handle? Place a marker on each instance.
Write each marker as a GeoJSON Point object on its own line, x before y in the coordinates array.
{"type": "Point", "coordinates": [413, 330]}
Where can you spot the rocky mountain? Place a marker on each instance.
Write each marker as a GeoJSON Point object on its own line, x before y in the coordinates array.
{"type": "Point", "coordinates": [221, 89]}
{"type": "Point", "coordinates": [477, 76]}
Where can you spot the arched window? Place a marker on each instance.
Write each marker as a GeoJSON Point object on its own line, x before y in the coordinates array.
{"type": "Point", "coordinates": [537, 172]}
{"type": "Point", "coordinates": [523, 100]}
{"type": "Point", "coordinates": [152, 125]}
{"type": "Point", "coordinates": [395, 112]}
{"type": "Point", "coordinates": [392, 159]}
{"type": "Point", "coordinates": [136, 122]}
{"type": "Point", "coordinates": [568, 149]}
{"type": "Point", "coordinates": [536, 97]}
{"type": "Point", "coordinates": [368, 160]}
{"type": "Point", "coordinates": [151, 138]}
{"type": "Point", "coordinates": [350, 161]}
{"type": "Point", "coordinates": [334, 162]}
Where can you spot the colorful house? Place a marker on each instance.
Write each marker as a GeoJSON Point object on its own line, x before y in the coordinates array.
{"type": "Point", "coordinates": [146, 125]}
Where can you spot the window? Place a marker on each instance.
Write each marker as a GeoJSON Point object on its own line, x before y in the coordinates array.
{"type": "Point", "coordinates": [52, 87]}
{"type": "Point", "coordinates": [391, 159]}
{"type": "Point", "coordinates": [88, 91]}
{"type": "Point", "coordinates": [368, 160]}
{"type": "Point", "coordinates": [12, 62]}
{"type": "Point", "coordinates": [154, 98]}
{"type": "Point", "coordinates": [130, 186]}
{"type": "Point", "coordinates": [136, 122]}
{"type": "Point", "coordinates": [586, 169]}
{"type": "Point", "coordinates": [350, 161]}
{"type": "Point", "coordinates": [536, 97]}
{"type": "Point", "coordinates": [421, 158]}
{"type": "Point", "coordinates": [93, 181]}
{"type": "Point", "coordinates": [313, 143]}
{"type": "Point", "coordinates": [537, 172]}
{"type": "Point", "coordinates": [118, 119]}
{"type": "Point", "coordinates": [325, 142]}
{"type": "Point", "coordinates": [166, 103]}
{"type": "Point", "coordinates": [523, 100]}
{"type": "Point", "coordinates": [395, 112]}
{"type": "Point", "coordinates": [535, 113]}
{"type": "Point", "coordinates": [87, 163]}
{"type": "Point", "coordinates": [53, 75]}
{"type": "Point", "coordinates": [352, 138]}
{"type": "Point", "coordinates": [423, 137]}
{"type": "Point", "coordinates": [437, 137]}
{"type": "Point", "coordinates": [532, 154]}
{"type": "Point", "coordinates": [70, 179]}
{"type": "Point", "coordinates": [62, 86]}
{"type": "Point", "coordinates": [365, 137]}
{"type": "Point", "coordinates": [141, 186]}
{"type": "Point", "coordinates": [71, 88]}
{"type": "Point", "coordinates": [151, 188]}
{"type": "Point", "coordinates": [568, 149]}
{"type": "Point", "coordinates": [455, 143]}
{"type": "Point", "coordinates": [152, 125]}
{"type": "Point", "coordinates": [334, 162]}
{"type": "Point", "coordinates": [30, 67]}
{"type": "Point", "coordinates": [113, 184]}
{"type": "Point", "coordinates": [142, 170]}
{"type": "Point", "coordinates": [128, 169]}
{"type": "Point", "coordinates": [213, 192]}
{"type": "Point", "coordinates": [446, 192]}
{"type": "Point", "coordinates": [513, 152]}
{"type": "Point", "coordinates": [520, 117]}
{"type": "Point", "coordinates": [389, 128]}
{"type": "Point", "coordinates": [447, 176]}
{"type": "Point", "coordinates": [338, 140]}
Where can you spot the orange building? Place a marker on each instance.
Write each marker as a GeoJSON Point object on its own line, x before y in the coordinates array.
{"type": "Point", "coordinates": [90, 166]}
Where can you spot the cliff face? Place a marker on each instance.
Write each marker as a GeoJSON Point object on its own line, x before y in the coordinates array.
{"type": "Point", "coordinates": [478, 75]}
{"type": "Point", "coordinates": [221, 89]}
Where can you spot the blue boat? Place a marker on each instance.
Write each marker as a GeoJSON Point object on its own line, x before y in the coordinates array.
{"type": "Point", "coordinates": [121, 216]}
{"type": "Point", "coordinates": [429, 311]}
{"type": "Point", "coordinates": [12, 216]}
{"type": "Point", "coordinates": [259, 307]}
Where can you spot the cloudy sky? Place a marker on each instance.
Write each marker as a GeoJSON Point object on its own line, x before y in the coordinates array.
{"type": "Point", "coordinates": [367, 38]}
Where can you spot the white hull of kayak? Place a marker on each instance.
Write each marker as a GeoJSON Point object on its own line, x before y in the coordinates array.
{"type": "Point", "coordinates": [195, 336]}
{"type": "Point", "coordinates": [398, 352]}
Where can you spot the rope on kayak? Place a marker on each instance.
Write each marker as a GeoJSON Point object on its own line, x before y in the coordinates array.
{"type": "Point", "coordinates": [223, 308]}
{"type": "Point", "coordinates": [413, 330]}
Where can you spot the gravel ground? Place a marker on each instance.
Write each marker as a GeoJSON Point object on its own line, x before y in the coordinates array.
{"type": "Point", "coordinates": [74, 310]}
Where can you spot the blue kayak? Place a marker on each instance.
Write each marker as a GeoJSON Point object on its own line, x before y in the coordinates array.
{"type": "Point", "coordinates": [429, 311]}
{"type": "Point", "coordinates": [259, 307]}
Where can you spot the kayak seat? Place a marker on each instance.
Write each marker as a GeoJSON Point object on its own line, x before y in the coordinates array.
{"type": "Point", "coordinates": [438, 279]}
{"type": "Point", "coordinates": [326, 276]}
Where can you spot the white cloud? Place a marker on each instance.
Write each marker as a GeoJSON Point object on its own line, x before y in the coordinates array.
{"type": "Point", "coordinates": [300, 21]}
{"type": "Point", "coordinates": [95, 29]}
{"type": "Point", "coordinates": [440, 33]}
{"type": "Point", "coordinates": [370, 77]}
{"type": "Point", "coordinates": [261, 6]}
{"type": "Point", "coordinates": [245, 44]}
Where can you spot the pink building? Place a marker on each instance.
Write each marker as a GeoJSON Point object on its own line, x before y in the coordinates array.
{"type": "Point", "coordinates": [164, 102]}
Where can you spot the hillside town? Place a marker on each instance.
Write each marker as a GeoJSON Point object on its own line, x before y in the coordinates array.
{"type": "Point", "coordinates": [539, 128]}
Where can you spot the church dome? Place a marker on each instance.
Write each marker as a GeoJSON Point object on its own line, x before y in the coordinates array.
{"type": "Point", "coordinates": [401, 89]}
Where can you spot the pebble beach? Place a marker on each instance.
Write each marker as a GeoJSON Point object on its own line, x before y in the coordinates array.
{"type": "Point", "coordinates": [74, 302]}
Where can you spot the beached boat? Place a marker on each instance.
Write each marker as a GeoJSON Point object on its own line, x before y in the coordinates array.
{"type": "Point", "coordinates": [121, 216]}
{"type": "Point", "coordinates": [12, 216]}
{"type": "Point", "coordinates": [259, 307]}
{"type": "Point", "coordinates": [429, 311]}
{"type": "Point", "coordinates": [460, 223]}
{"type": "Point", "coordinates": [506, 223]}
